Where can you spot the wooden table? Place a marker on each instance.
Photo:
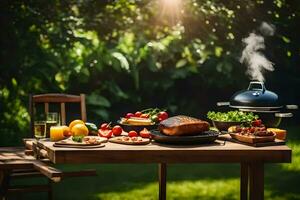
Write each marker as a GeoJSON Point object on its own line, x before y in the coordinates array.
{"type": "Point", "coordinates": [252, 159]}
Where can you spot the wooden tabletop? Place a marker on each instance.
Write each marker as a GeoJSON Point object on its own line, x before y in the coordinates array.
{"type": "Point", "coordinates": [217, 152]}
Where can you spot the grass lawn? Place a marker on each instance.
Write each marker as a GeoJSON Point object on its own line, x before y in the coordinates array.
{"type": "Point", "coordinates": [185, 181]}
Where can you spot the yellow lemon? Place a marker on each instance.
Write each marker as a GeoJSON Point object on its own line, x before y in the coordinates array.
{"type": "Point", "coordinates": [74, 122]}
{"type": "Point", "coordinates": [79, 129]}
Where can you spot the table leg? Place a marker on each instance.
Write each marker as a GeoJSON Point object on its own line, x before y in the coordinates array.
{"type": "Point", "coordinates": [244, 181]}
{"type": "Point", "coordinates": [162, 174]}
{"type": "Point", "coordinates": [256, 176]}
{"type": "Point", "coordinates": [4, 183]}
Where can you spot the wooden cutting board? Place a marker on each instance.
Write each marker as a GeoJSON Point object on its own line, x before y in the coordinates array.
{"type": "Point", "coordinates": [276, 142]}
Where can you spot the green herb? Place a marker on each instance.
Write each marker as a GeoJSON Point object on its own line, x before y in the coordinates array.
{"type": "Point", "coordinates": [232, 116]}
{"type": "Point", "coordinates": [77, 138]}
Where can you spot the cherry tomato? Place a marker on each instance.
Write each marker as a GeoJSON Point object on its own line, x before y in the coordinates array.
{"type": "Point", "coordinates": [132, 134]}
{"type": "Point", "coordinates": [117, 130]}
{"type": "Point", "coordinates": [105, 133]}
{"type": "Point", "coordinates": [154, 118]}
{"type": "Point", "coordinates": [129, 115]}
{"type": "Point", "coordinates": [104, 126]}
{"type": "Point", "coordinates": [138, 114]}
{"type": "Point", "coordinates": [257, 122]}
{"type": "Point", "coordinates": [144, 116]}
{"type": "Point", "coordinates": [162, 115]}
{"type": "Point", "coordinates": [145, 133]}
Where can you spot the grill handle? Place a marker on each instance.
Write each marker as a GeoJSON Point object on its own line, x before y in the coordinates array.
{"type": "Point", "coordinates": [257, 85]}
{"type": "Point", "coordinates": [283, 114]}
{"type": "Point", "coordinates": [292, 107]}
{"type": "Point", "coordinates": [223, 103]}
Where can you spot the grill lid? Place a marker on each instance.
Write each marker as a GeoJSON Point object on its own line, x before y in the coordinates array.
{"type": "Point", "coordinates": [255, 97]}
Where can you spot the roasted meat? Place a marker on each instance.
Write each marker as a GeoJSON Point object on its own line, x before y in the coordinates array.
{"type": "Point", "coordinates": [183, 125]}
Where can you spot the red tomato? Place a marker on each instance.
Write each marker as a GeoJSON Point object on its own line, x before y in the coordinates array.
{"type": "Point", "coordinates": [145, 133]}
{"type": "Point", "coordinates": [104, 126]}
{"type": "Point", "coordinates": [138, 114]}
{"type": "Point", "coordinates": [132, 134]}
{"type": "Point", "coordinates": [256, 122]}
{"type": "Point", "coordinates": [105, 133]}
{"type": "Point", "coordinates": [117, 130]}
{"type": "Point", "coordinates": [129, 115]}
{"type": "Point", "coordinates": [144, 116]}
{"type": "Point", "coordinates": [162, 115]}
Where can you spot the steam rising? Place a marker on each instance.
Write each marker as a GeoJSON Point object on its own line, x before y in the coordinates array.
{"type": "Point", "coordinates": [252, 56]}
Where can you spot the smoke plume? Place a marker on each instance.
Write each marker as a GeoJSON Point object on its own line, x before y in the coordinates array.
{"type": "Point", "coordinates": [257, 64]}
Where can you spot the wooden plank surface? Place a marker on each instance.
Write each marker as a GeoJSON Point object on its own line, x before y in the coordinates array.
{"type": "Point", "coordinates": [159, 153]}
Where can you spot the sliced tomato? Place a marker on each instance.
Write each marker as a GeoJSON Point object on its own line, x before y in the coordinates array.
{"type": "Point", "coordinates": [105, 133]}
{"type": "Point", "coordinates": [145, 133]}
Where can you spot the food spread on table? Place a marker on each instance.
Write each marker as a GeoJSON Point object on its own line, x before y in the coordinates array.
{"type": "Point", "coordinates": [155, 124]}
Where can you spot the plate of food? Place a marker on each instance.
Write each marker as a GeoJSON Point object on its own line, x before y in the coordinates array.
{"type": "Point", "coordinates": [184, 130]}
{"type": "Point", "coordinates": [148, 118]}
{"type": "Point", "coordinates": [252, 134]}
{"type": "Point", "coordinates": [137, 140]}
{"type": "Point", "coordinates": [81, 142]}
{"type": "Point", "coordinates": [223, 120]}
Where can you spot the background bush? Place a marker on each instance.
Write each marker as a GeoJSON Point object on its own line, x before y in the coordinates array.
{"type": "Point", "coordinates": [132, 54]}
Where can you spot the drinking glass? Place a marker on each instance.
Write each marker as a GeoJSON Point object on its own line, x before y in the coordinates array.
{"type": "Point", "coordinates": [51, 120]}
{"type": "Point", "coordinates": [39, 129]}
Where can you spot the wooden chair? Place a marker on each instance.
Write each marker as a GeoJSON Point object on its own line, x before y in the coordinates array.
{"type": "Point", "coordinates": [28, 166]}
{"type": "Point", "coordinates": [62, 99]}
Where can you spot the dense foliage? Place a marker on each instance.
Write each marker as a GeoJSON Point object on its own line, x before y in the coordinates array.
{"type": "Point", "coordinates": [132, 54]}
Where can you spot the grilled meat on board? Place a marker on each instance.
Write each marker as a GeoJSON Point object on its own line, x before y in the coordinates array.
{"type": "Point", "coordinates": [183, 125]}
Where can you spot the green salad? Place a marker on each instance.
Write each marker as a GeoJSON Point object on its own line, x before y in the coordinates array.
{"type": "Point", "coordinates": [232, 116]}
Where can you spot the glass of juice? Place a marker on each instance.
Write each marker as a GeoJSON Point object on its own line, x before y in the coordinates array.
{"type": "Point", "coordinates": [51, 120]}
{"type": "Point", "coordinates": [39, 129]}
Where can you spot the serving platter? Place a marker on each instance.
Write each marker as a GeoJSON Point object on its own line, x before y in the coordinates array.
{"type": "Point", "coordinates": [252, 139]}
{"type": "Point", "coordinates": [70, 143]}
{"type": "Point", "coordinates": [201, 138]}
{"type": "Point", "coordinates": [120, 140]}
{"type": "Point", "coordinates": [226, 136]}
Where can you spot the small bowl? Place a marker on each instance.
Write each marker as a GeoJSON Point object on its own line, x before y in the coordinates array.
{"type": "Point", "coordinates": [137, 128]}
{"type": "Point", "coordinates": [223, 126]}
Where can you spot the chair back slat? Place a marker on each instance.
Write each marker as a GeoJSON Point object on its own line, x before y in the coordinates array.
{"type": "Point", "coordinates": [63, 113]}
{"type": "Point", "coordinates": [83, 108]}
{"type": "Point", "coordinates": [56, 98]}
{"type": "Point", "coordinates": [46, 108]}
